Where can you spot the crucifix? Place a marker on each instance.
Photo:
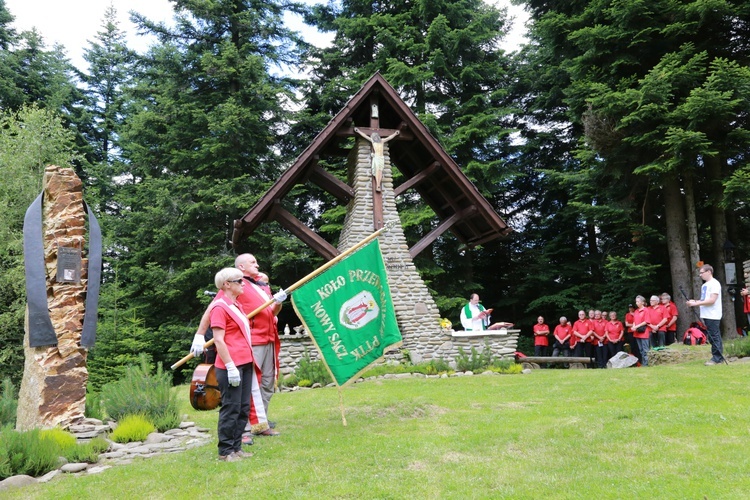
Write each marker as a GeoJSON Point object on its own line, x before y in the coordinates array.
{"type": "Point", "coordinates": [378, 159]}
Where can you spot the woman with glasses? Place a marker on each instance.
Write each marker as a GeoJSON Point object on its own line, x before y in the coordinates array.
{"type": "Point", "coordinates": [234, 363]}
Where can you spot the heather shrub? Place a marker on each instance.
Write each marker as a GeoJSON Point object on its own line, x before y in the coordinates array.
{"type": "Point", "coordinates": [64, 439]}
{"type": "Point", "coordinates": [87, 452]}
{"type": "Point", "coordinates": [134, 427]}
{"type": "Point", "coordinates": [432, 367]}
{"type": "Point", "coordinates": [26, 453]}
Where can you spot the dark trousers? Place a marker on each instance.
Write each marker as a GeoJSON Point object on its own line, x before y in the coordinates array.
{"type": "Point", "coordinates": [540, 350]}
{"type": "Point", "coordinates": [235, 408]}
{"type": "Point", "coordinates": [557, 348]}
{"type": "Point", "coordinates": [579, 350]}
{"type": "Point", "coordinates": [585, 350]}
{"type": "Point", "coordinates": [590, 352]}
{"type": "Point", "coordinates": [634, 350]}
{"type": "Point", "coordinates": [601, 355]}
{"type": "Point", "coordinates": [613, 348]}
{"type": "Point", "coordinates": [671, 336]}
{"type": "Point", "coordinates": [714, 338]}
{"type": "Point", "coordinates": [662, 337]}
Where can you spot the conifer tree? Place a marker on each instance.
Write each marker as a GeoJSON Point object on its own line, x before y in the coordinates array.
{"type": "Point", "coordinates": [443, 58]}
{"type": "Point", "coordinates": [642, 87]}
{"type": "Point", "coordinates": [200, 143]}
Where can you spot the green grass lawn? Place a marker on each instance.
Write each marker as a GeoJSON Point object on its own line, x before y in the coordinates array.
{"type": "Point", "coordinates": [676, 431]}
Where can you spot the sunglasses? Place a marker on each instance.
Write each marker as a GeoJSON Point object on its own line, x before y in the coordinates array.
{"type": "Point", "coordinates": [239, 281]}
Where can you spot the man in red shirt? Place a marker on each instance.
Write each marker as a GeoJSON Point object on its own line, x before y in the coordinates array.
{"type": "Point", "coordinates": [541, 331]}
{"type": "Point", "coordinates": [745, 293]}
{"type": "Point", "coordinates": [562, 335]}
{"type": "Point", "coordinates": [615, 334]}
{"type": "Point", "coordinates": [658, 322]}
{"type": "Point", "coordinates": [672, 313]}
{"type": "Point", "coordinates": [580, 335]}
{"type": "Point", "coordinates": [598, 326]}
{"type": "Point", "coordinates": [265, 337]}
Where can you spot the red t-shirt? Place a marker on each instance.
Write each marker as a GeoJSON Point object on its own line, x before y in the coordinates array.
{"type": "Point", "coordinates": [658, 313]}
{"type": "Point", "coordinates": [234, 337]}
{"type": "Point", "coordinates": [541, 339]}
{"type": "Point", "coordinates": [672, 312]}
{"type": "Point", "coordinates": [262, 324]}
{"type": "Point", "coordinates": [746, 307]}
{"type": "Point", "coordinates": [580, 327]}
{"type": "Point", "coordinates": [614, 331]}
{"type": "Point", "coordinates": [562, 333]}
{"type": "Point", "coordinates": [639, 316]}
{"type": "Point", "coordinates": [600, 328]}
{"type": "Point", "coordinates": [629, 319]}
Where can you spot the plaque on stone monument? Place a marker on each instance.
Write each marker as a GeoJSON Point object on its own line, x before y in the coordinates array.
{"type": "Point", "coordinates": [68, 265]}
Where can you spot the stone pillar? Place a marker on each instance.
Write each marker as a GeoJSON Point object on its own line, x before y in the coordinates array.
{"type": "Point", "coordinates": [418, 316]}
{"type": "Point", "coordinates": [53, 389]}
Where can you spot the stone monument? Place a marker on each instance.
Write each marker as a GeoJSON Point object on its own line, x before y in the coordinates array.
{"type": "Point", "coordinates": [62, 287]}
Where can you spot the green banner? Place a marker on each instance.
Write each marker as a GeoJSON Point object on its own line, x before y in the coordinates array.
{"type": "Point", "coordinates": [349, 313]}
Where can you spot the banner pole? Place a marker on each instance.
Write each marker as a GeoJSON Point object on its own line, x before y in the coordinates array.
{"type": "Point", "coordinates": [388, 225]}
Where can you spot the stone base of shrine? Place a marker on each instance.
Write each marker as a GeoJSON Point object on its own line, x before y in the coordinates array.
{"type": "Point", "coordinates": [442, 344]}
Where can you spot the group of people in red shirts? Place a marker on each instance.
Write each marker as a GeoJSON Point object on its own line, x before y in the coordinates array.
{"type": "Point", "coordinates": [600, 335]}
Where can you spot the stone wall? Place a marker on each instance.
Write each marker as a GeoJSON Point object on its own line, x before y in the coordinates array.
{"type": "Point", "coordinates": [746, 271]}
{"type": "Point", "coordinates": [443, 346]}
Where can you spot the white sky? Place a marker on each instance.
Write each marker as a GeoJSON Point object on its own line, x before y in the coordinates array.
{"type": "Point", "coordinates": [73, 23]}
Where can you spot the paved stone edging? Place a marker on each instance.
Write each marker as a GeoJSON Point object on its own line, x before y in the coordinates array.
{"type": "Point", "coordinates": [187, 436]}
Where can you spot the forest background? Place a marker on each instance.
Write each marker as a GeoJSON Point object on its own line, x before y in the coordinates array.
{"type": "Point", "coordinates": [614, 142]}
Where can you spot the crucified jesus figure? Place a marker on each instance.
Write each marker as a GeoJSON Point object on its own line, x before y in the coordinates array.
{"type": "Point", "coordinates": [378, 159]}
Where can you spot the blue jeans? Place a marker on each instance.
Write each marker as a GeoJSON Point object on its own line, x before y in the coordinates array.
{"type": "Point", "coordinates": [714, 338]}
{"type": "Point", "coordinates": [643, 345]}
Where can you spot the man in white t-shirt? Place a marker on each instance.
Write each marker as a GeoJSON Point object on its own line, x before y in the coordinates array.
{"type": "Point", "coordinates": [710, 304]}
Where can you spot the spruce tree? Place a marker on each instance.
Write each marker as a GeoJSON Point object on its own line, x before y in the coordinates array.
{"type": "Point", "coordinates": [200, 143]}
{"type": "Point", "coordinates": [443, 58]}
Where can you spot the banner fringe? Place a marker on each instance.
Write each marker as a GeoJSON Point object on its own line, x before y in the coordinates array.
{"type": "Point", "coordinates": [341, 406]}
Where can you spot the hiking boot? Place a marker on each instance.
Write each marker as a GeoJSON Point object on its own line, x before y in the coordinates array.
{"type": "Point", "coordinates": [229, 458]}
{"type": "Point", "coordinates": [242, 454]}
{"type": "Point", "coordinates": [710, 362]}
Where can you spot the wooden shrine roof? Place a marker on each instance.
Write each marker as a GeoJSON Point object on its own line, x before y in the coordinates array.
{"type": "Point", "coordinates": [425, 167]}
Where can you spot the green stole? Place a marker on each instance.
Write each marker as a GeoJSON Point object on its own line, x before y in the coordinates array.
{"type": "Point", "coordinates": [467, 313]}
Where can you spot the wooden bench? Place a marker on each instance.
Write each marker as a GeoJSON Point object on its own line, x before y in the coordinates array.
{"type": "Point", "coordinates": [535, 362]}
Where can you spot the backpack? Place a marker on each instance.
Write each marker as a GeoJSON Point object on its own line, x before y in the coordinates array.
{"type": "Point", "coordinates": [694, 336]}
